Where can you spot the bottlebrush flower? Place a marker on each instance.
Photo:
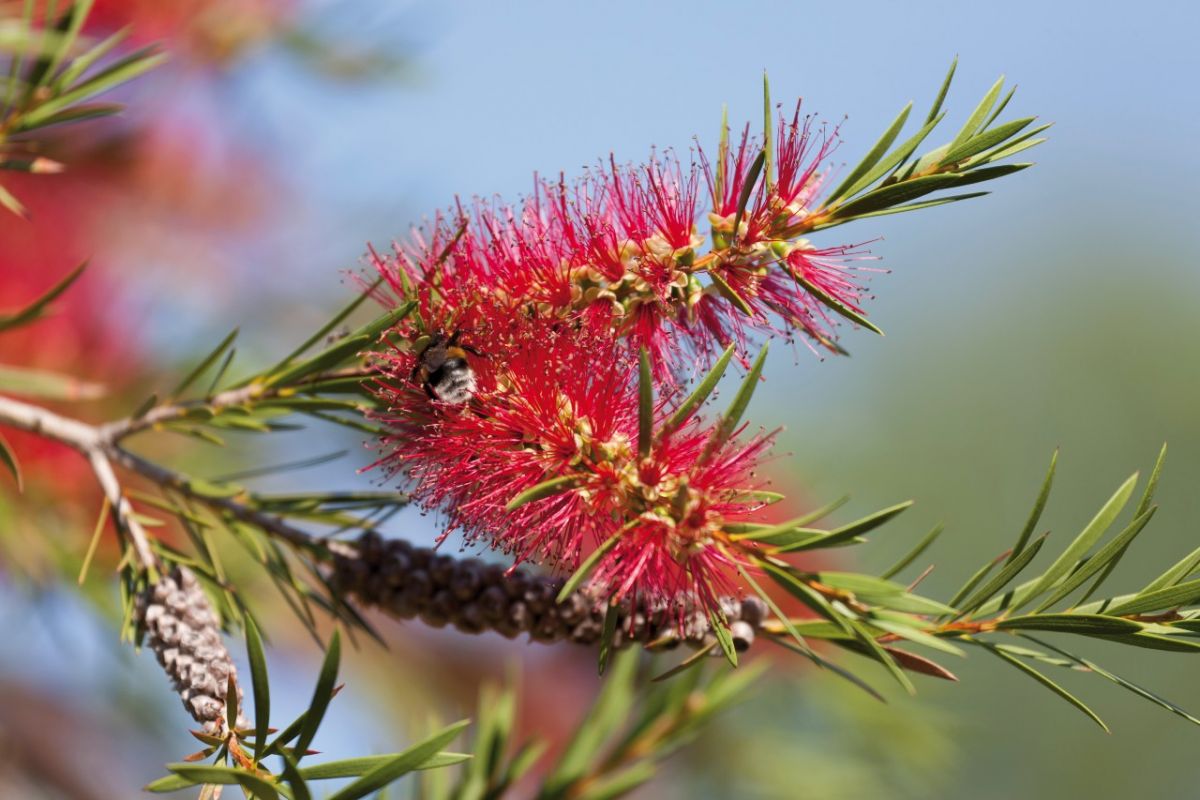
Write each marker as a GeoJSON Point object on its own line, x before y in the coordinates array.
{"type": "Point", "coordinates": [619, 249]}
{"type": "Point", "coordinates": [556, 402]}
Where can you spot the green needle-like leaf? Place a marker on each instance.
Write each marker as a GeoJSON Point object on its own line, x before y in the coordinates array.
{"type": "Point", "coordinates": [1001, 579]}
{"type": "Point", "coordinates": [39, 306]}
{"type": "Point", "coordinates": [912, 555]}
{"type": "Point", "coordinates": [1104, 558]}
{"type": "Point", "coordinates": [546, 488]}
{"type": "Point", "coordinates": [985, 141]}
{"type": "Point", "coordinates": [1082, 543]}
{"type": "Point", "coordinates": [847, 532]}
{"type": "Point", "coordinates": [612, 616]}
{"type": "Point", "coordinates": [873, 155]}
{"type": "Point", "coordinates": [322, 694]}
{"type": "Point", "coordinates": [941, 95]}
{"type": "Point", "coordinates": [700, 393]}
{"type": "Point", "coordinates": [768, 139]}
{"type": "Point", "coordinates": [748, 189]}
{"type": "Point", "coordinates": [399, 765]}
{"type": "Point", "coordinates": [830, 302]}
{"type": "Point", "coordinates": [720, 629]}
{"type": "Point", "coordinates": [728, 423]}
{"type": "Point", "coordinates": [1167, 597]}
{"type": "Point", "coordinates": [1048, 683]}
{"type": "Point", "coordinates": [645, 404]}
{"type": "Point", "coordinates": [1038, 507]}
{"type": "Point", "coordinates": [581, 574]}
{"type": "Point", "coordinates": [10, 463]}
{"type": "Point", "coordinates": [205, 363]}
{"type": "Point", "coordinates": [1087, 624]}
{"type": "Point", "coordinates": [260, 685]}
{"type": "Point", "coordinates": [973, 123]}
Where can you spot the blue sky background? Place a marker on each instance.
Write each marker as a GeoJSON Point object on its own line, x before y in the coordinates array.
{"type": "Point", "coordinates": [1059, 311]}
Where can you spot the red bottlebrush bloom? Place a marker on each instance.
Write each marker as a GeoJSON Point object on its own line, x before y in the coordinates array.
{"type": "Point", "coordinates": [553, 401]}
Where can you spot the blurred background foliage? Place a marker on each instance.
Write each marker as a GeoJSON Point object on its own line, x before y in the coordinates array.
{"type": "Point", "coordinates": [282, 136]}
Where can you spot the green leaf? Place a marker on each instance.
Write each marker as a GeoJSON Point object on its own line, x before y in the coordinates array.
{"type": "Point", "coordinates": [1176, 573]}
{"type": "Point", "coordinates": [38, 307]}
{"type": "Point", "coordinates": [10, 462]}
{"type": "Point", "coordinates": [1148, 494]}
{"type": "Point", "coordinates": [852, 530]}
{"type": "Point", "coordinates": [645, 404]}
{"type": "Point", "coordinates": [353, 767]}
{"type": "Point", "coordinates": [205, 363]}
{"type": "Point", "coordinates": [873, 155]}
{"type": "Point", "coordinates": [892, 160]}
{"type": "Point", "coordinates": [1048, 683]}
{"type": "Point", "coordinates": [580, 575]}
{"type": "Point", "coordinates": [900, 209]}
{"type": "Point", "coordinates": [400, 764]}
{"type": "Point", "coordinates": [1168, 597]}
{"type": "Point", "coordinates": [1105, 557]}
{"type": "Point", "coordinates": [547, 488]}
{"type": "Point", "coordinates": [896, 193]}
{"type": "Point", "coordinates": [291, 774]}
{"type": "Point", "coordinates": [720, 629]}
{"type": "Point", "coordinates": [228, 776]}
{"type": "Point", "coordinates": [693, 660]}
{"type": "Point", "coordinates": [748, 189]}
{"type": "Point", "coordinates": [985, 141]}
{"type": "Point", "coordinates": [1082, 543]}
{"type": "Point", "coordinates": [912, 555]}
{"type": "Point", "coordinates": [728, 423]}
{"type": "Point", "coordinates": [325, 329]}
{"type": "Point", "coordinates": [973, 123]}
{"type": "Point", "coordinates": [602, 721]}
{"type": "Point", "coordinates": [121, 71]}
{"type": "Point", "coordinates": [915, 635]}
{"type": "Point", "coordinates": [1159, 701]}
{"type": "Point", "coordinates": [730, 294]}
{"type": "Point", "coordinates": [876, 651]}
{"type": "Point", "coordinates": [612, 615]}
{"type": "Point", "coordinates": [768, 141]}
{"type": "Point", "coordinates": [830, 302]}
{"type": "Point", "coordinates": [1087, 624]}
{"type": "Point", "coordinates": [699, 394]}
{"type": "Point", "coordinates": [260, 685]}
{"type": "Point", "coordinates": [619, 783]}
{"type": "Point", "coordinates": [322, 694]}
{"type": "Point", "coordinates": [1001, 579]}
{"type": "Point", "coordinates": [1038, 507]}
{"type": "Point", "coordinates": [883, 592]}
{"type": "Point", "coordinates": [82, 63]}
{"type": "Point", "coordinates": [941, 95]}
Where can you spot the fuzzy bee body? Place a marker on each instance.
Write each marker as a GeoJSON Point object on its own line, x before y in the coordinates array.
{"type": "Point", "coordinates": [444, 372]}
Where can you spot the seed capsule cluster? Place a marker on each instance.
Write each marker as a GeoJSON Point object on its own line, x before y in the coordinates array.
{"type": "Point", "coordinates": [183, 632]}
{"type": "Point", "coordinates": [416, 582]}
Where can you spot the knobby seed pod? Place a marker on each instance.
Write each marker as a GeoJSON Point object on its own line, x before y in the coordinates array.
{"type": "Point", "coordinates": [182, 630]}
{"type": "Point", "coordinates": [415, 582]}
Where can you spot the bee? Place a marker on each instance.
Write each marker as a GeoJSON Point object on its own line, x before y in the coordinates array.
{"type": "Point", "coordinates": [443, 371]}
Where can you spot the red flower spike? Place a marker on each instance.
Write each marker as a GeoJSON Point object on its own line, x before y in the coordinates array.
{"type": "Point", "coordinates": [560, 402]}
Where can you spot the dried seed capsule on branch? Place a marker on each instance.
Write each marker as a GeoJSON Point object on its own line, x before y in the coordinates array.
{"type": "Point", "coordinates": [474, 597]}
{"type": "Point", "coordinates": [182, 630]}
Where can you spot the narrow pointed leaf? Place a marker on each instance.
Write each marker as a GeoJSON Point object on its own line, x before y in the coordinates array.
{"type": "Point", "coordinates": [1103, 558]}
{"type": "Point", "coordinates": [611, 618]}
{"type": "Point", "coordinates": [730, 294]}
{"type": "Point", "coordinates": [1168, 597]}
{"type": "Point", "coordinates": [353, 767]}
{"type": "Point", "coordinates": [985, 141]}
{"type": "Point", "coordinates": [585, 569]}
{"type": "Point", "coordinates": [971, 126]}
{"type": "Point", "coordinates": [720, 630]}
{"type": "Point", "coordinates": [873, 155]}
{"type": "Point", "coordinates": [733, 415]}
{"type": "Point", "coordinates": [852, 530]}
{"type": "Point", "coordinates": [693, 660]}
{"type": "Point", "coordinates": [322, 694]}
{"type": "Point", "coordinates": [1039, 506]}
{"type": "Point", "coordinates": [205, 363]}
{"type": "Point", "coordinates": [912, 555]}
{"type": "Point", "coordinates": [1176, 573]}
{"type": "Point", "coordinates": [38, 307]}
{"type": "Point", "coordinates": [260, 685]}
{"type": "Point", "coordinates": [645, 404]}
{"type": "Point", "coordinates": [941, 95]}
{"type": "Point", "coordinates": [701, 393]}
{"type": "Point", "coordinates": [399, 765]}
{"type": "Point", "coordinates": [10, 463]}
{"type": "Point", "coordinates": [1002, 579]}
{"type": "Point", "coordinates": [545, 489]}
{"type": "Point", "coordinates": [747, 190]}
{"type": "Point", "coordinates": [1049, 684]}
{"type": "Point", "coordinates": [1083, 542]}
{"type": "Point", "coordinates": [893, 160]}
{"type": "Point", "coordinates": [1087, 624]}
{"type": "Point", "coordinates": [768, 140]}
{"type": "Point", "coordinates": [832, 303]}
